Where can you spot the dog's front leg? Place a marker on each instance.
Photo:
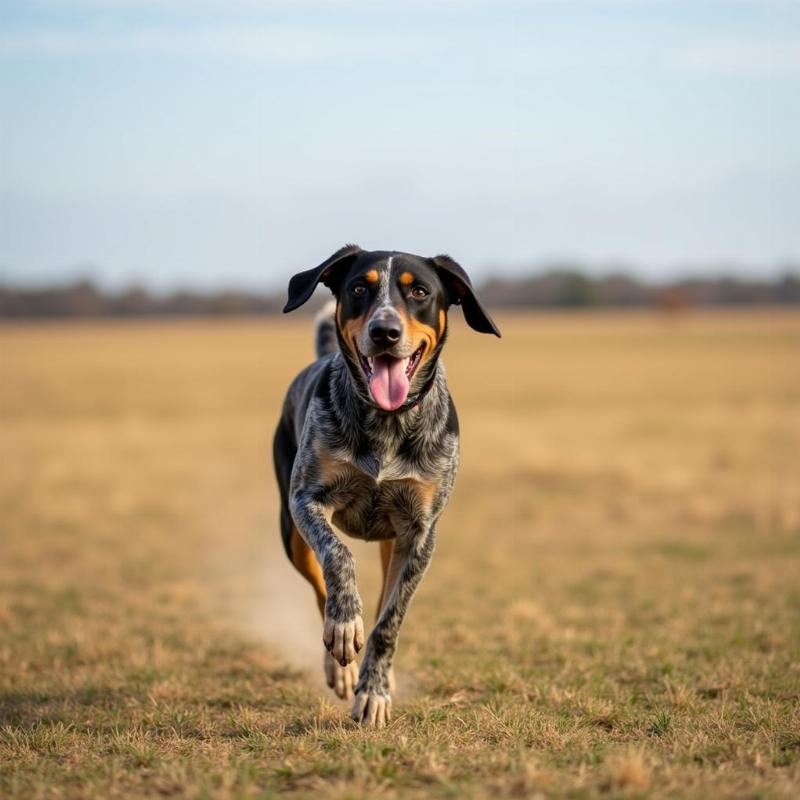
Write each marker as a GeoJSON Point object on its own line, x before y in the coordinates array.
{"type": "Point", "coordinates": [343, 630]}
{"type": "Point", "coordinates": [410, 558]}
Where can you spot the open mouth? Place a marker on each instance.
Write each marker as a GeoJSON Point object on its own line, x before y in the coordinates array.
{"type": "Point", "coordinates": [389, 377]}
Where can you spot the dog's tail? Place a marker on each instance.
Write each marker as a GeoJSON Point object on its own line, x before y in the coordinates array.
{"type": "Point", "coordinates": [325, 341]}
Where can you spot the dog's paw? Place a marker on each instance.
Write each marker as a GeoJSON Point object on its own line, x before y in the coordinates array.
{"type": "Point", "coordinates": [341, 679]}
{"type": "Point", "coordinates": [343, 640]}
{"type": "Point", "coordinates": [372, 708]}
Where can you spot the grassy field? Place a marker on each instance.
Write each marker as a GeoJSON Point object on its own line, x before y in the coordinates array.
{"type": "Point", "coordinates": [613, 608]}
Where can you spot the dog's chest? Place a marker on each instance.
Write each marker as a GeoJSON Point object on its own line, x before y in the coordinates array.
{"type": "Point", "coordinates": [395, 468]}
{"type": "Point", "coordinates": [370, 497]}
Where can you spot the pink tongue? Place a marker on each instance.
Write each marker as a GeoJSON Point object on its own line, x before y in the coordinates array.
{"type": "Point", "coordinates": [389, 382]}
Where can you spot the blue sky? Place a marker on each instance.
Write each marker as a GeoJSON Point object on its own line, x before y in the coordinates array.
{"type": "Point", "coordinates": [191, 142]}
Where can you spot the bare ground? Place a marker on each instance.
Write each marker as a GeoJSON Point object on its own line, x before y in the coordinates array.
{"type": "Point", "coordinates": [613, 608]}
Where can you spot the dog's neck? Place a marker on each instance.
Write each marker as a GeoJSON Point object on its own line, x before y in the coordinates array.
{"type": "Point", "coordinates": [416, 442]}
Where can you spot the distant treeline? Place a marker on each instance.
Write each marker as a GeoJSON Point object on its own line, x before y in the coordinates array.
{"type": "Point", "coordinates": [565, 288]}
{"type": "Point", "coordinates": [556, 288]}
{"type": "Point", "coordinates": [85, 299]}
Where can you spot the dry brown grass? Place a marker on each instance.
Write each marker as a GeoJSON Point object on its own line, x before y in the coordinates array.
{"type": "Point", "coordinates": [613, 607]}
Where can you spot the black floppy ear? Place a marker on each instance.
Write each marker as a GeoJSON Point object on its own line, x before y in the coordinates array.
{"type": "Point", "coordinates": [302, 285]}
{"type": "Point", "coordinates": [461, 293]}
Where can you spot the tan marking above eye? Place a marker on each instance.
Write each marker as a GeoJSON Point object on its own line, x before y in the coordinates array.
{"type": "Point", "coordinates": [406, 279]}
{"type": "Point", "coordinates": [371, 276]}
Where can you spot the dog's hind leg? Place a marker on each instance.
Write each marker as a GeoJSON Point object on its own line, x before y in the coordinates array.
{"type": "Point", "coordinates": [314, 477]}
{"type": "Point", "coordinates": [343, 628]}
{"type": "Point", "coordinates": [341, 679]}
{"type": "Point", "coordinates": [386, 547]}
{"type": "Point", "coordinates": [305, 562]}
{"type": "Point", "coordinates": [387, 586]}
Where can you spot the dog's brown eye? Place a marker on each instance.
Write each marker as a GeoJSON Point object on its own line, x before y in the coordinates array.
{"type": "Point", "coordinates": [359, 290]}
{"type": "Point", "coordinates": [419, 292]}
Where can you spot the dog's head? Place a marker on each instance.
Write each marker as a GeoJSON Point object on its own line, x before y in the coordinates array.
{"type": "Point", "coordinates": [391, 314]}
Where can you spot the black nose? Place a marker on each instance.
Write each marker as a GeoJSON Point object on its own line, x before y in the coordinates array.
{"type": "Point", "coordinates": [384, 332]}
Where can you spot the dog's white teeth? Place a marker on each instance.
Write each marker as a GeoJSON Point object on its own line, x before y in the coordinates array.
{"type": "Point", "coordinates": [405, 363]}
{"type": "Point", "coordinates": [370, 361]}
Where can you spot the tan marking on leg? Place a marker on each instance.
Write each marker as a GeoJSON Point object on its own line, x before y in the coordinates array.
{"type": "Point", "coordinates": [423, 491]}
{"type": "Point", "coordinates": [386, 554]}
{"type": "Point", "coordinates": [395, 566]}
{"type": "Point", "coordinates": [392, 565]}
{"type": "Point", "coordinates": [406, 279]}
{"type": "Point", "coordinates": [306, 564]}
{"type": "Point", "coordinates": [426, 492]}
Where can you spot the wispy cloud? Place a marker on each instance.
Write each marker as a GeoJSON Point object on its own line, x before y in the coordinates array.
{"type": "Point", "coordinates": [765, 58]}
{"type": "Point", "coordinates": [191, 6]}
{"type": "Point", "coordinates": [224, 6]}
{"type": "Point", "coordinates": [283, 44]}
{"type": "Point", "coordinates": [227, 4]}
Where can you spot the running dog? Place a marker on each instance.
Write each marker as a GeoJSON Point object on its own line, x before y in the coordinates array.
{"type": "Point", "coordinates": [368, 441]}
